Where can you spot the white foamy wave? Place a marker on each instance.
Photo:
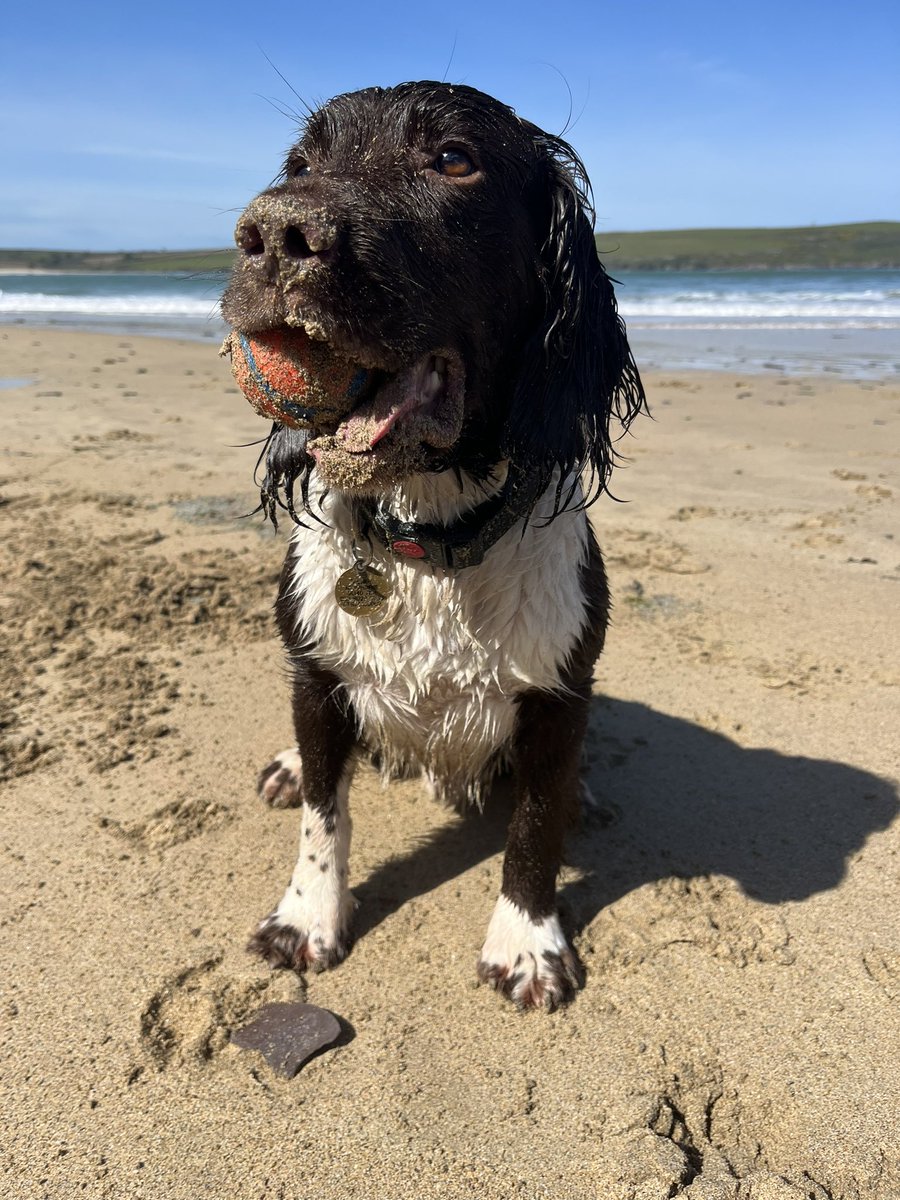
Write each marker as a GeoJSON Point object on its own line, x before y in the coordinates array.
{"type": "Point", "coordinates": [669, 322]}
{"type": "Point", "coordinates": [760, 306]}
{"type": "Point", "coordinates": [46, 304]}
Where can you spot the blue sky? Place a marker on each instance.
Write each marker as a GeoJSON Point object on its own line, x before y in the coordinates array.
{"type": "Point", "coordinates": [146, 127]}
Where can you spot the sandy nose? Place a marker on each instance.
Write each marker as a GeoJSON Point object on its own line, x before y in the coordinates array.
{"type": "Point", "coordinates": [285, 231]}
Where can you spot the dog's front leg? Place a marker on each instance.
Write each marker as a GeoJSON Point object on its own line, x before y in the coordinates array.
{"type": "Point", "coordinates": [310, 926]}
{"type": "Point", "coordinates": [526, 955]}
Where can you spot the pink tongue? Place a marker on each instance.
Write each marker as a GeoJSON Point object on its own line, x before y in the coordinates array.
{"type": "Point", "coordinates": [372, 421]}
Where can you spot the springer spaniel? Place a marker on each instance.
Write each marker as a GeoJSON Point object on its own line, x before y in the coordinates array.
{"type": "Point", "coordinates": [443, 600]}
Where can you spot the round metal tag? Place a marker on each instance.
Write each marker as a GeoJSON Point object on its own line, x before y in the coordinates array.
{"type": "Point", "coordinates": [362, 591]}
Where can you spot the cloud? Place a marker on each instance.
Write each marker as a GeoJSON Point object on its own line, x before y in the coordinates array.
{"type": "Point", "coordinates": [712, 72]}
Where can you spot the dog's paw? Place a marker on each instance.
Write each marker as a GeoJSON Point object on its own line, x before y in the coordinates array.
{"type": "Point", "coordinates": [284, 945]}
{"type": "Point", "coordinates": [310, 927]}
{"type": "Point", "coordinates": [278, 784]}
{"type": "Point", "coordinates": [529, 962]}
{"type": "Point", "coordinates": [548, 982]}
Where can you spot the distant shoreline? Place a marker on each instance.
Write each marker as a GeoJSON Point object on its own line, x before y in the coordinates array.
{"type": "Point", "coordinates": [54, 271]}
{"type": "Point", "coordinates": [614, 268]}
{"type": "Point", "coordinates": [862, 246]}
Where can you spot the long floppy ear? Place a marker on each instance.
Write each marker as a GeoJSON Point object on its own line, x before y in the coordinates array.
{"type": "Point", "coordinates": [577, 371]}
{"type": "Point", "coordinates": [286, 462]}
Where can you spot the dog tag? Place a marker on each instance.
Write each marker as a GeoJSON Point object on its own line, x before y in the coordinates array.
{"type": "Point", "coordinates": [362, 591]}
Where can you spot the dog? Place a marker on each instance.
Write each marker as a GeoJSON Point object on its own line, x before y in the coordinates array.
{"type": "Point", "coordinates": [443, 600]}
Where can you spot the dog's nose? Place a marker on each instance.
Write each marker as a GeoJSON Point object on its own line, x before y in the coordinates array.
{"type": "Point", "coordinates": [285, 234]}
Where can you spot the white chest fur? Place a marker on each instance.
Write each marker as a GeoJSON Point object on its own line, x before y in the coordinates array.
{"type": "Point", "coordinates": [434, 676]}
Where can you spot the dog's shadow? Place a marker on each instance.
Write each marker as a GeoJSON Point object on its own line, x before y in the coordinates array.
{"type": "Point", "coordinates": [674, 799]}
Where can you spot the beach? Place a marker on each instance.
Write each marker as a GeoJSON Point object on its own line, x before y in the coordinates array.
{"type": "Point", "coordinates": [734, 896]}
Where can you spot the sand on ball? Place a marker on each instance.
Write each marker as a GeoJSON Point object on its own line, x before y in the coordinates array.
{"type": "Point", "coordinates": [289, 377]}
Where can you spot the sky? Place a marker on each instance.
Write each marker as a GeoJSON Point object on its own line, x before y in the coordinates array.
{"type": "Point", "coordinates": [147, 127]}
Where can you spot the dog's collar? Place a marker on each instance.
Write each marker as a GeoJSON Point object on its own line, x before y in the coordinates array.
{"type": "Point", "coordinates": [463, 542]}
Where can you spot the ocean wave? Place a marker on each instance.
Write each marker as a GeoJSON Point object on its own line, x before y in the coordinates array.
{"type": "Point", "coordinates": [698, 302]}
{"type": "Point", "coordinates": [767, 296]}
{"type": "Point", "coordinates": [761, 307]}
{"type": "Point", "coordinates": [45, 304]}
{"type": "Point", "coordinates": [670, 322]}
{"type": "Point", "coordinates": [721, 312]}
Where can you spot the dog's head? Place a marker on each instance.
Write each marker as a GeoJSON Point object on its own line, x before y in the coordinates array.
{"type": "Point", "coordinates": [429, 234]}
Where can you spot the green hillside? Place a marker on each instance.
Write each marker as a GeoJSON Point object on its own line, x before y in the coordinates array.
{"type": "Point", "coordinates": [868, 245]}
{"type": "Point", "coordinates": [872, 244]}
{"type": "Point", "coordinates": [162, 261]}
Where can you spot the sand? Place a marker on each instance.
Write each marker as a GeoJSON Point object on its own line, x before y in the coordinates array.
{"type": "Point", "coordinates": [734, 898]}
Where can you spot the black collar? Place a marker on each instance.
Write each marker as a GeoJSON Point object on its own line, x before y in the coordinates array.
{"type": "Point", "coordinates": [465, 541]}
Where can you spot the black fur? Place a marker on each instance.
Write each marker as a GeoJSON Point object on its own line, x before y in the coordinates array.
{"type": "Point", "coordinates": [506, 271]}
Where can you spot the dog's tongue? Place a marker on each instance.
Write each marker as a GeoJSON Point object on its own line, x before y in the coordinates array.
{"type": "Point", "coordinates": [430, 393]}
{"type": "Point", "coordinates": [421, 407]}
{"type": "Point", "coordinates": [372, 420]}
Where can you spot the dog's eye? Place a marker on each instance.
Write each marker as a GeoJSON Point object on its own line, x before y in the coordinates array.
{"type": "Point", "coordinates": [454, 163]}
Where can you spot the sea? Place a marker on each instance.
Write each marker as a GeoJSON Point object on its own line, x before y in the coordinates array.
{"type": "Point", "coordinates": [798, 322]}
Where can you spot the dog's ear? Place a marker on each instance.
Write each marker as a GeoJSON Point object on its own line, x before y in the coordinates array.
{"type": "Point", "coordinates": [286, 461]}
{"type": "Point", "coordinates": [577, 372]}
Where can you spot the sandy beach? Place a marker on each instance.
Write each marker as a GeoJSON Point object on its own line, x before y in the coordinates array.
{"type": "Point", "coordinates": [735, 897]}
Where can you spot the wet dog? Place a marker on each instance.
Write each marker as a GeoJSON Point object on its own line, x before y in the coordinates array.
{"type": "Point", "coordinates": [443, 600]}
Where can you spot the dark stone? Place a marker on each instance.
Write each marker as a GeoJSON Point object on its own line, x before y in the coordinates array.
{"type": "Point", "coordinates": [288, 1035]}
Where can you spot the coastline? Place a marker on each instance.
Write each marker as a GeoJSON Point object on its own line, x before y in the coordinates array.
{"type": "Point", "coordinates": [63, 273]}
{"type": "Point", "coordinates": [856, 245]}
{"type": "Point", "coordinates": [765, 349]}
{"type": "Point", "coordinates": [609, 261]}
{"type": "Point", "coordinates": [845, 323]}
{"type": "Point", "coordinates": [734, 901]}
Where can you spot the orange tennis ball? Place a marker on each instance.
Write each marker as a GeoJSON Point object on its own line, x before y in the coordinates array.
{"type": "Point", "coordinates": [289, 377]}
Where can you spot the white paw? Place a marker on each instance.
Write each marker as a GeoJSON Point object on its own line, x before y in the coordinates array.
{"type": "Point", "coordinates": [529, 962]}
{"type": "Point", "coordinates": [315, 940]}
{"type": "Point", "coordinates": [310, 926]}
{"type": "Point", "coordinates": [279, 783]}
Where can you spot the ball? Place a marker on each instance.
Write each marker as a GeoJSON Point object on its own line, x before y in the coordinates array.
{"type": "Point", "coordinates": [289, 377]}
